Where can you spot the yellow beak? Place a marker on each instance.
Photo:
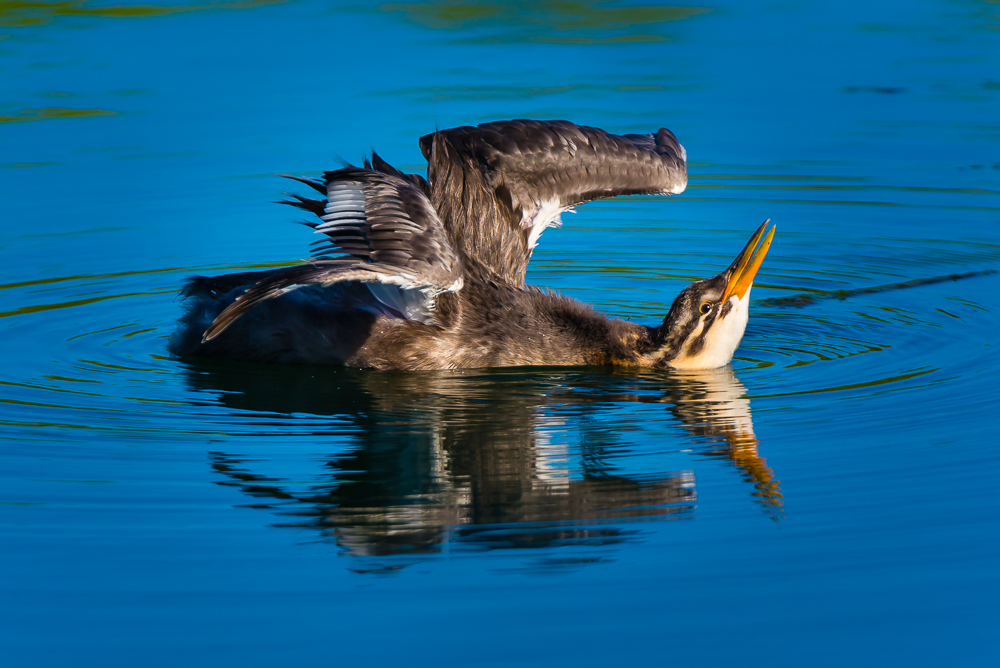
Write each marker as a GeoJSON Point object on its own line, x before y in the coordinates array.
{"type": "Point", "coordinates": [746, 264]}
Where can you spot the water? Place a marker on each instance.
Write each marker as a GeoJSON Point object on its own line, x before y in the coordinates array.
{"type": "Point", "coordinates": [830, 499]}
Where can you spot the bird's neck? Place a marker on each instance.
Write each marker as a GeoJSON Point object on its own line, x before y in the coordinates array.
{"type": "Point", "coordinates": [664, 345]}
{"type": "Point", "coordinates": [696, 344]}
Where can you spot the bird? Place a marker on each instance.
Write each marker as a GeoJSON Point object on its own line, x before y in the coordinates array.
{"type": "Point", "coordinates": [414, 273]}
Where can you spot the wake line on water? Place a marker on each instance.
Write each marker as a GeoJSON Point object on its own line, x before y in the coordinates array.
{"type": "Point", "coordinates": [807, 298]}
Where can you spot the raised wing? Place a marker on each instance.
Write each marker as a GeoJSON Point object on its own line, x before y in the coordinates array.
{"type": "Point", "coordinates": [498, 186]}
{"type": "Point", "coordinates": [389, 230]}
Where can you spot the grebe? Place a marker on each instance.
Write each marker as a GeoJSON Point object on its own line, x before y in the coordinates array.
{"type": "Point", "coordinates": [430, 273]}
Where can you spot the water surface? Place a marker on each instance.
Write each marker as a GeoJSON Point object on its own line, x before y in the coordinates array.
{"type": "Point", "coordinates": [831, 498]}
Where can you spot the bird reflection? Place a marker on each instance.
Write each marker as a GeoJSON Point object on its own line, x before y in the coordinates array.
{"type": "Point", "coordinates": [712, 405]}
{"type": "Point", "coordinates": [485, 459]}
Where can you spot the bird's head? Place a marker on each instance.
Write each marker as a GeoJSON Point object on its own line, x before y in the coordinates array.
{"type": "Point", "coordinates": [708, 318]}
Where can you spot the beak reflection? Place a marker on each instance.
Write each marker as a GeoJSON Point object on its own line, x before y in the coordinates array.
{"type": "Point", "coordinates": [745, 266]}
{"type": "Point", "coordinates": [712, 404]}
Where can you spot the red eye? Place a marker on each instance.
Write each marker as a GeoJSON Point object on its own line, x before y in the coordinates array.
{"type": "Point", "coordinates": [705, 307]}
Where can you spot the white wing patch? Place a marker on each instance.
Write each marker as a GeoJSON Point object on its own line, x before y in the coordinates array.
{"type": "Point", "coordinates": [402, 292]}
{"type": "Point", "coordinates": [678, 188]}
{"type": "Point", "coordinates": [345, 204]}
{"type": "Point", "coordinates": [548, 214]}
{"type": "Point", "coordinates": [413, 304]}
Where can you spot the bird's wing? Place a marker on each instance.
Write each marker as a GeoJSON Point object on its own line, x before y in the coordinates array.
{"type": "Point", "coordinates": [498, 186]}
{"type": "Point", "coordinates": [390, 233]}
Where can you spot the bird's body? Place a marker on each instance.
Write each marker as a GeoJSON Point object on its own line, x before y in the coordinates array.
{"type": "Point", "coordinates": [433, 276]}
{"type": "Point", "coordinates": [484, 324]}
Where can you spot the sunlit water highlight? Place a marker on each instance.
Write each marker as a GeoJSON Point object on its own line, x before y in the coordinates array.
{"type": "Point", "coordinates": [829, 499]}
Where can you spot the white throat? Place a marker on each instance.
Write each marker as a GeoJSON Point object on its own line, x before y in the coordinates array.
{"type": "Point", "coordinates": [721, 341]}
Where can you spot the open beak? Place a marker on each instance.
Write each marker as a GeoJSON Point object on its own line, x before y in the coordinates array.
{"type": "Point", "coordinates": [746, 264]}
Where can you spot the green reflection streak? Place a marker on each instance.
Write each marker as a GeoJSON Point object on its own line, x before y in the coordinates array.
{"type": "Point", "coordinates": [119, 367]}
{"type": "Point", "coordinates": [48, 388]}
{"type": "Point", "coordinates": [119, 274]}
{"type": "Point", "coordinates": [22, 165]}
{"type": "Point", "coordinates": [775, 177]}
{"type": "Point", "coordinates": [47, 113]}
{"type": "Point", "coordinates": [79, 302]}
{"type": "Point", "coordinates": [509, 92]}
{"type": "Point", "coordinates": [24, 13]}
{"type": "Point", "coordinates": [36, 404]}
{"type": "Point", "coordinates": [831, 186]}
{"type": "Point", "coordinates": [852, 386]}
{"type": "Point", "coordinates": [533, 21]}
{"type": "Point", "coordinates": [100, 331]}
{"type": "Point", "coordinates": [67, 379]}
{"type": "Point", "coordinates": [85, 482]}
{"type": "Point", "coordinates": [829, 202]}
{"type": "Point", "coordinates": [556, 14]}
{"type": "Point", "coordinates": [550, 39]}
{"type": "Point", "coordinates": [138, 331]}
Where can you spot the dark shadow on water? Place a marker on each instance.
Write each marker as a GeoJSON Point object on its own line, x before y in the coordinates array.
{"type": "Point", "coordinates": [484, 459]}
{"type": "Point", "coordinates": [808, 298]}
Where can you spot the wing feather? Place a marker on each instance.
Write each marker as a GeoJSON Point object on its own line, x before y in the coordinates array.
{"type": "Point", "coordinates": [522, 174]}
{"type": "Point", "coordinates": [389, 231]}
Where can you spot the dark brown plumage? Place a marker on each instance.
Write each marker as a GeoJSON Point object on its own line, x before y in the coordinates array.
{"type": "Point", "coordinates": [499, 185]}
{"type": "Point", "coordinates": [429, 274]}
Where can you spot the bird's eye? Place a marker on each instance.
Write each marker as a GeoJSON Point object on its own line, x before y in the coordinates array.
{"type": "Point", "coordinates": [705, 307]}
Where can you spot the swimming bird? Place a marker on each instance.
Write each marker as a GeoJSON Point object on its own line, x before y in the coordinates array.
{"type": "Point", "coordinates": [414, 273]}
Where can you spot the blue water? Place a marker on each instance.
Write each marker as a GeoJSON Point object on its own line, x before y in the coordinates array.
{"type": "Point", "coordinates": [830, 500]}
